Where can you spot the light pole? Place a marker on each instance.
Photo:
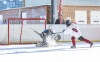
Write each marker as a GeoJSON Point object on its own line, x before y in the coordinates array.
{"type": "Point", "coordinates": [52, 11]}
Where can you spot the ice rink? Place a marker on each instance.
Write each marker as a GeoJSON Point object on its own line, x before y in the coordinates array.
{"type": "Point", "coordinates": [61, 53]}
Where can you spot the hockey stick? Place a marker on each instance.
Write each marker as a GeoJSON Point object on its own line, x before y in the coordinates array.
{"type": "Point", "coordinates": [59, 32]}
{"type": "Point", "coordinates": [37, 33]}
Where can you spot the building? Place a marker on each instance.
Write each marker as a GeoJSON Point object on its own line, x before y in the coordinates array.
{"type": "Point", "coordinates": [71, 9]}
{"type": "Point", "coordinates": [8, 4]}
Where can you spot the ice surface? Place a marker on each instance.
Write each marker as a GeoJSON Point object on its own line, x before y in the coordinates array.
{"type": "Point", "coordinates": [62, 53]}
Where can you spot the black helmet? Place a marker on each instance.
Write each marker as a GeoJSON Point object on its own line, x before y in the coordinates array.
{"type": "Point", "coordinates": [68, 22]}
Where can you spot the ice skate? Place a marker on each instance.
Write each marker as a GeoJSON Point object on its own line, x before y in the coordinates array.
{"type": "Point", "coordinates": [91, 44]}
{"type": "Point", "coordinates": [73, 46]}
{"type": "Point", "coordinates": [41, 44]}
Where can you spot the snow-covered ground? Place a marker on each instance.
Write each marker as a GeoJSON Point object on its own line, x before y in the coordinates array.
{"type": "Point", "coordinates": [61, 53]}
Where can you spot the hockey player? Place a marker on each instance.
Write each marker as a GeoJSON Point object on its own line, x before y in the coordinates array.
{"type": "Point", "coordinates": [49, 37]}
{"type": "Point", "coordinates": [46, 33]}
{"type": "Point", "coordinates": [75, 33]}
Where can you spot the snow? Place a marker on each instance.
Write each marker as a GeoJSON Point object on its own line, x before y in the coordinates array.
{"type": "Point", "coordinates": [61, 53]}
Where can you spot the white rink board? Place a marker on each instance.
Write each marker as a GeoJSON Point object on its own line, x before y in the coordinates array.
{"type": "Point", "coordinates": [91, 32]}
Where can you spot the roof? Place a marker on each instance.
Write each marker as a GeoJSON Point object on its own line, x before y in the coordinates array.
{"type": "Point", "coordinates": [81, 2]}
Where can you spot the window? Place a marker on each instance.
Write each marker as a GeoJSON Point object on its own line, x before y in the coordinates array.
{"type": "Point", "coordinates": [95, 17]}
{"type": "Point", "coordinates": [81, 17]}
